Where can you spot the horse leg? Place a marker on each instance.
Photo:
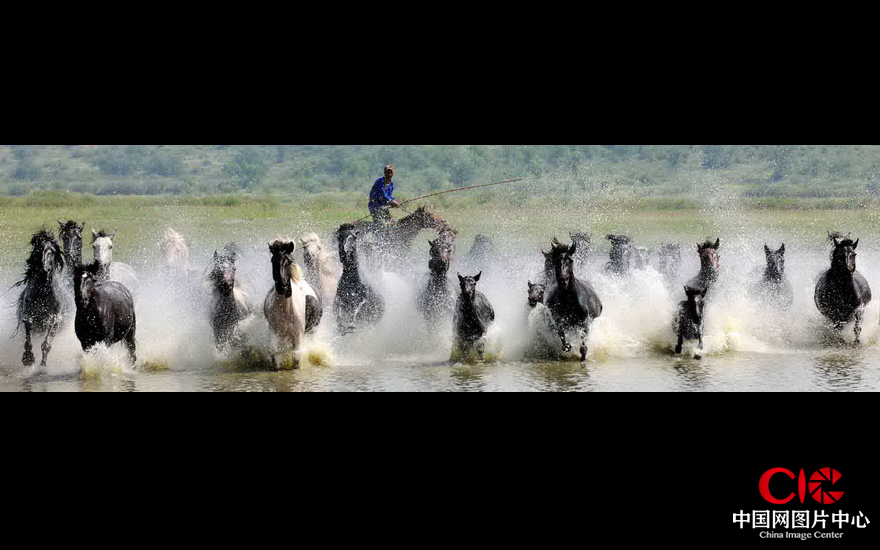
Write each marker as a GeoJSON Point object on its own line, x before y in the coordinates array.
{"type": "Point", "coordinates": [566, 347]}
{"type": "Point", "coordinates": [858, 327]}
{"type": "Point", "coordinates": [481, 348]}
{"type": "Point", "coordinates": [28, 357]}
{"type": "Point", "coordinates": [698, 355]}
{"type": "Point", "coordinates": [47, 343]}
{"type": "Point", "coordinates": [132, 347]}
{"type": "Point", "coordinates": [680, 343]}
{"type": "Point", "coordinates": [584, 332]}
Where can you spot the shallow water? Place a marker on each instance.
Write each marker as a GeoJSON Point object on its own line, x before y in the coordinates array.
{"type": "Point", "coordinates": [631, 344]}
{"type": "Point", "coordinates": [747, 347]}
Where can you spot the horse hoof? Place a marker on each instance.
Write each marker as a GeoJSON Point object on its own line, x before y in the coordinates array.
{"type": "Point", "coordinates": [566, 348]}
{"type": "Point", "coordinates": [698, 357]}
{"type": "Point", "coordinates": [28, 359]}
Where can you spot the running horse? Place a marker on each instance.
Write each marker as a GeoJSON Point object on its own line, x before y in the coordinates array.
{"type": "Point", "coordinates": [842, 292]}
{"type": "Point", "coordinates": [292, 308]}
{"type": "Point", "coordinates": [229, 305]}
{"type": "Point", "coordinates": [39, 305]}
{"type": "Point", "coordinates": [385, 246]}
{"type": "Point", "coordinates": [572, 302]}
{"type": "Point", "coordinates": [104, 311]}
{"type": "Point", "coordinates": [774, 288]}
{"type": "Point", "coordinates": [709, 265]}
{"type": "Point", "coordinates": [357, 304]}
{"type": "Point", "coordinates": [436, 301]}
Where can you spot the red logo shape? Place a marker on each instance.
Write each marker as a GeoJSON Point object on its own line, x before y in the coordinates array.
{"type": "Point", "coordinates": [822, 477]}
{"type": "Point", "coordinates": [764, 486]}
{"type": "Point", "coordinates": [819, 486]}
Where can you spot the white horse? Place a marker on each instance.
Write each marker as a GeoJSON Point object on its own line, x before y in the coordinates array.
{"type": "Point", "coordinates": [292, 307]}
{"type": "Point", "coordinates": [320, 265]}
{"type": "Point", "coordinates": [176, 254]}
{"type": "Point", "coordinates": [102, 244]}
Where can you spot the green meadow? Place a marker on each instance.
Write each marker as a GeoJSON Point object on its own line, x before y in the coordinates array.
{"type": "Point", "coordinates": [208, 222]}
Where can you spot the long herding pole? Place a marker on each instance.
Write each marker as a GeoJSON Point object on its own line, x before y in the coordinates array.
{"type": "Point", "coordinates": [452, 191]}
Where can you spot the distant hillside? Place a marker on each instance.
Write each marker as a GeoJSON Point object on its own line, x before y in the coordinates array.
{"type": "Point", "coordinates": [810, 171]}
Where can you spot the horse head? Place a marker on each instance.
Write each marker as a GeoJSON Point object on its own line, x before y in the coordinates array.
{"type": "Point", "coordinates": [563, 262]}
{"type": "Point", "coordinates": [424, 220]}
{"type": "Point", "coordinates": [102, 245]}
{"type": "Point", "coordinates": [70, 233]}
{"type": "Point", "coordinates": [46, 257]}
{"type": "Point", "coordinates": [775, 263]}
{"type": "Point", "coordinates": [84, 283]}
{"type": "Point", "coordinates": [536, 294]}
{"type": "Point", "coordinates": [175, 250]}
{"type": "Point", "coordinates": [347, 238]}
{"type": "Point", "coordinates": [621, 252]}
{"type": "Point", "coordinates": [844, 255]}
{"type": "Point", "coordinates": [282, 262]}
{"type": "Point", "coordinates": [223, 271]}
{"type": "Point", "coordinates": [709, 259]}
{"type": "Point", "coordinates": [469, 286]}
{"type": "Point", "coordinates": [441, 256]}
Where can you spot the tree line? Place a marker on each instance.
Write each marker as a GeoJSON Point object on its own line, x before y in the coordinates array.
{"type": "Point", "coordinates": [761, 170]}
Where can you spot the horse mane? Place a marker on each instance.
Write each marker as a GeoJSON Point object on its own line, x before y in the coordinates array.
{"type": "Point", "coordinates": [70, 225]}
{"type": "Point", "coordinates": [296, 273]}
{"type": "Point", "coordinates": [846, 242]}
{"type": "Point", "coordinates": [103, 233]}
{"type": "Point", "coordinates": [34, 264]}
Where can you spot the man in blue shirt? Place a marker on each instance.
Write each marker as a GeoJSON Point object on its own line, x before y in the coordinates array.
{"type": "Point", "coordinates": [381, 198]}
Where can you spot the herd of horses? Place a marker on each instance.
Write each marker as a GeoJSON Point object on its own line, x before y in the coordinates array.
{"type": "Point", "coordinates": [103, 291]}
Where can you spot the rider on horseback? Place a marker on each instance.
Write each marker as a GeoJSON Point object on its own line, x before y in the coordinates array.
{"type": "Point", "coordinates": [381, 199]}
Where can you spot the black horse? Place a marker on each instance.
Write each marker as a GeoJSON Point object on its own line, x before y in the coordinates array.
{"type": "Point", "coordinates": [774, 287]}
{"type": "Point", "coordinates": [670, 261]}
{"type": "Point", "coordinates": [688, 323]}
{"type": "Point", "coordinates": [228, 308]}
{"type": "Point", "coordinates": [709, 265]}
{"type": "Point", "coordinates": [104, 311]}
{"type": "Point", "coordinates": [356, 303]}
{"type": "Point", "coordinates": [621, 255]}
{"type": "Point", "coordinates": [572, 302]}
{"type": "Point", "coordinates": [436, 301]}
{"type": "Point", "coordinates": [39, 305]}
{"type": "Point", "coordinates": [473, 316]}
{"type": "Point", "coordinates": [842, 292]}
{"type": "Point", "coordinates": [71, 237]}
